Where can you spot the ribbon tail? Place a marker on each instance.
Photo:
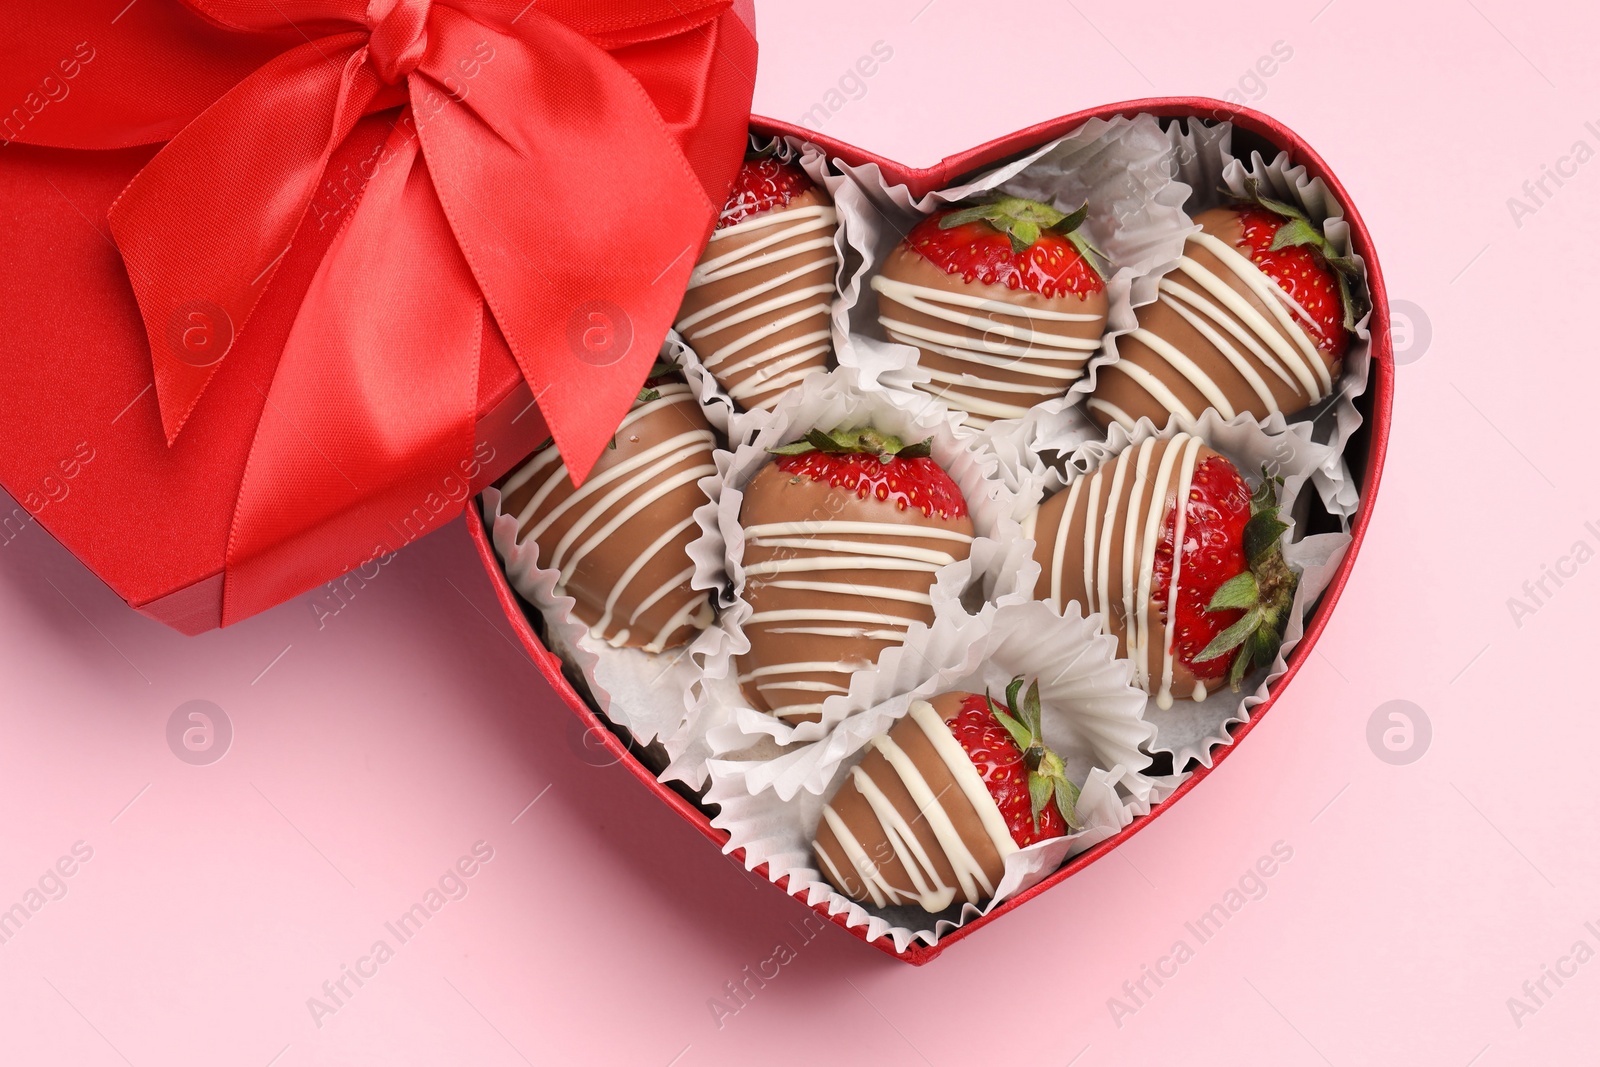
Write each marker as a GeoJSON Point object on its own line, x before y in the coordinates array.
{"type": "Point", "coordinates": [575, 208]}
{"type": "Point", "coordinates": [370, 419]}
{"type": "Point", "coordinates": [203, 226]}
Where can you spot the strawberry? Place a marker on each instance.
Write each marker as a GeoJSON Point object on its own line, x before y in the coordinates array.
{"type": "Point", "coordinates": [619, 543]}
{"type": "Point", "coordinates": [758, 304]}
{"type": "Point", "coordinates": [1009, 241]}
{"type": "Point", "coordinates": [1224, 616]}
{"type": "Point", "coordinates": [1027, 781]}
{"type": "Point", "coordinates": [1255, 318]}
{"type": "Point", "coordinates": [844, 533]}
{"type": "Point", "coordinates": [909, 824]}
{"type": "Point", "coordinates": [762, 184]}
{"type": "Point", "coordinates": [1003, 301]}
{"type": "Point", "coordinates": [1218, 510]}
{"type": "Point", "coordinates": [1255, 600]}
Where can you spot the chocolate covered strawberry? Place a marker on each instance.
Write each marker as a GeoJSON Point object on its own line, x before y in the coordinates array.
{"type": "Point", "coordinates": [938, 802]}
{"type": "Point", "coordinates": [1003, 301]}
{"type": "Point", "coordinates": [1197, 595]}
{"type": "Point", "coordinates": [621, 541]}
{"type": "Point", "coordinates": [757, 308]}
{"type": "Point", "coordinates": [843, 534]}
{"type": "Point", "coordinates": [1256, 318]}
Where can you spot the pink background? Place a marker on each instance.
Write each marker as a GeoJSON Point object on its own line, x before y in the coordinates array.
{"type": "Point", "coordinates": [372, 752]}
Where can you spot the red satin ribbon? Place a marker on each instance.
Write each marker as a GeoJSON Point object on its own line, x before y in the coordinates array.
{"type": "Point", "coordinates": [559, 162]}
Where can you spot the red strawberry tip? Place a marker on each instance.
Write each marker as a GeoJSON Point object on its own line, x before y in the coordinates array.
{"type": "Point", "coordinates": [1024, 221]}
{"type": "Point", "coordinates": [765, 181]}
{"type": "Point", "coordinates": [1264, 591]}
{"type": "Point", "coordinates": [870, 463]}
{"type": "Point", "coordinates": [1298, 231]}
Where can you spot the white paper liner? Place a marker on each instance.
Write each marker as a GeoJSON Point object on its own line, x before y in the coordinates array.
{"type": "Point", "coordinates": [1120, 166]}
{"type": "Point", "coordinates": [1205, 163]}
{"type": "Point", "coordinates": [643, 692]}
{"type": "Point", "coordinates": [1190, 729]}
{"type": "Point", "coordinates": [1091, 719]}
{"type": "Point", "coordinates": [828, 402]}
{"type": "Point", "coordinates": [714, 402]}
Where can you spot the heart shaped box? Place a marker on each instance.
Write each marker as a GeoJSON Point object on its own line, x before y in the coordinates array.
{"type": "Point", "coordinates": [1364, 454]}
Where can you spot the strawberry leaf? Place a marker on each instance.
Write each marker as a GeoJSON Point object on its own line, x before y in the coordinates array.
{"type": "Point", "coordinates": [1236, 672]}
{"type": "Point", "coordinates": [1297, 232]}
{"type": "Point", "coordinates": [1013, 694]}
{"type": "Point", "coordinates": [1092, 255]}
{"type": "Point", "coordinates": [1019, 733]}
{"type": "Point", "coordinates": [1240, 591]}
{"type": "Point", "coordinates": [921, 450]}
{"type": "Point", "coordinates": [1253, 195]}
{"type": "Point", "coordinates": [1232, 637]}
{"type": "Point", "coordinates": [1040, 792]}
{"type": "Point", "coordinates": [862, 440]}
{"type": "Point", "coordinates": [1032, 712]}
{"type": "Point", "coordinates": [1261, 534]}
{"type": "Point", "coordinates": [1067, 802]}
{"type": "Point", "coordinates": [1072, 220]}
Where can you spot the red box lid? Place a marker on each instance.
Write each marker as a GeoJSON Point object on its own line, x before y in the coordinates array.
{"type": "Point", "coordinates": [80, 410]}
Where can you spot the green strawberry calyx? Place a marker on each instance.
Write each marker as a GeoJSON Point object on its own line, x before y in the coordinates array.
{"type": "Point", "coordinates": [1024, 221]}
{"type": "Point", "coordinates": [1047, 772]}
{"type": "Point", "coordinates": [861, 439]}
{"type": "Point", "coordinates": [1264, 591]}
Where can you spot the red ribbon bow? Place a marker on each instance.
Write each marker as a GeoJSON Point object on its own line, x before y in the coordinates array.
{"type": "Point", "coordinates": [560, 161]}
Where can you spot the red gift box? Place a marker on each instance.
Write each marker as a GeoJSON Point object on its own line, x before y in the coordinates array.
{"type": "Point", "coordinates": [286, 280]}
{"type": "Point", "coordinates": [1364, 453]}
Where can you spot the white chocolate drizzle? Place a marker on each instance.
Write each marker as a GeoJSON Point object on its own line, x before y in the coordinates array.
{"type": "Point", "coordinates": [765, 310]}
{"type": "Point", "coordinates": [1046, 362]}
{"type": "Point", "coordinates": [1136, 529]}
{"type": "Point", "coordinates": [855, 606]}
{"type": "Point", "coordinates": [1255, 345]}
{"type": "Point", "coordinates": [631, 487]}
{"type": "Point", "coordinates": [927, 889]}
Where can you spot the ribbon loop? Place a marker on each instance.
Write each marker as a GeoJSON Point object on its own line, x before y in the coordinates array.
{"type": "Point", "coordinates": [399, 37]}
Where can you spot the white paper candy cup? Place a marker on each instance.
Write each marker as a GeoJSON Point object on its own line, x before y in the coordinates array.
{"type": "Point", "coordinates": [1091, 719]}
{"type": "Point", "coordinates": [646, 693]}
{"type": "Point", "coordinates": [1190, 729]}
{"type": "Point", "coordinates": [827, 403]}
{"type": "Point", "coordinates": [1120, 167]}
{"type": "Point", "coordinates": [1205, 162]}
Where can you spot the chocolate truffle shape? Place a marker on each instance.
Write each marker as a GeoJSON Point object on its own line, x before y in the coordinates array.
{"type": "Point", "coordinates": [621, 541]}
{"type": "Point", "coordinates": [1117, 543]}
{"type": "Point", "coordinates": [936, 805]}
{"type": "Point", "coordinates": [757, 310]}
{"type": "Point", "coordinates": [997, 329]}
{"type": "Point", "coordinates": [838, 563]}
{"type": "Point", "coordinates": [1222, 334]}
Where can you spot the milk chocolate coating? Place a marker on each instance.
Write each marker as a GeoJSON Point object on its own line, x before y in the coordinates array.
{"type": "Point", "coordinates": [854, 579]}
{"type": "Point", "coordinates": [1061, 562]}
{"type": "Point", "coordinates": [972, 381]}
{"type": "Point", "coordinates": [1121, 397]}
{"type": "Point", "coordinates": [640, 560]}
{"type": "Point", "coordinates": [769, 336]}
{"type": "Point", "coordinates": [893, 883]}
